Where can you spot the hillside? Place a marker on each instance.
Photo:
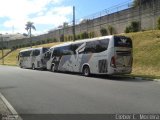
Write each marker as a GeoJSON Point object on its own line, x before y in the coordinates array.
{"type": "Point", "coordinates": [146, 51]}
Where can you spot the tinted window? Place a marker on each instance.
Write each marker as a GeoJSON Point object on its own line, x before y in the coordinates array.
{"type": "Point", "coordinates": [65, 50]}
{"type": "Point", "coordinates": [56, 52]}
{"type": "Point", "coordinates": [45, 50]}
{"type": "Point", "coordinates": [102, 45]}
{"type": "Point", "coordinates": [96, 46]}
{"type": "Point", "coordinates": [36, 52]}
{"type": "Point", "coordinates": [74, 47]}
{"type": "Point", "coordinates": [25, 54]}
{"type": "Point", "coordinates": [122, 41]}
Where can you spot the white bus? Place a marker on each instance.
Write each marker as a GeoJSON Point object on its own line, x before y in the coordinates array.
{"type": "Point", "coordinates": [32, 58]}
{"type": "Point", "coordinates": [102, 55]}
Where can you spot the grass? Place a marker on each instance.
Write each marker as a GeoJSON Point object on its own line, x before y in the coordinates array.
{"type": "Point", "coordinates": [146, 54]}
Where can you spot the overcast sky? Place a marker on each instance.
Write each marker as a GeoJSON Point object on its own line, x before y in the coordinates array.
{"type": "Point", "coordinates": [46, 14]}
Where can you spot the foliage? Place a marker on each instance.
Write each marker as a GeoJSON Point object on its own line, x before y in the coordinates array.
{"type": "Point", "coordinates": [78, 37]}
{"type": "Point", "coordinates": [91, 34]}
{"type": "Point", "coordinates": [139, 2]}
{"type": "Point", "coordinates": [103, 31]}
{"type": "Point", "coordinates": [158, 23]}
{"type": "Point", "coordinates": [84, 35]}
{"type": "Point", "coordinates": [62, 38]}
{"type": "Point", "coordinates": [133, 27]}
{"type": "Point", "coordinates": [111, 29]}
{"type": "Point", "coordinates": [29, 27]}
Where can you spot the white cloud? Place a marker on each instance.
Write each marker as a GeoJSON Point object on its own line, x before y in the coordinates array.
{"type": "Point", "coordinates": [19, 12]}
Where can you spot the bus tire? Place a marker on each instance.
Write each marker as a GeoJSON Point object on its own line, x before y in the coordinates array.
{"type": "Point", "coordinates": [86, 71]}
{"type": "Point", "coordinates": [20, 65]}
{"type": "Point", "coordinates": [33, 67]}
{"type": "Point", "coordinates": [53, 68]}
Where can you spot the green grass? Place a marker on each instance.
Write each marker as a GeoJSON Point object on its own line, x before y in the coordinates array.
{"type": "Point", "coordinates": [146, 54]}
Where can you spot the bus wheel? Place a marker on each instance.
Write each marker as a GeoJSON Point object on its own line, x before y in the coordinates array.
{"type": "Point", "coordinates": [33, 67]}
{"type": "Point", "coordinates": [86, 71]}
{"type": "Point", "coordinates": [53, 68]}
{"type": "Point", "coordinates": [20, 65]}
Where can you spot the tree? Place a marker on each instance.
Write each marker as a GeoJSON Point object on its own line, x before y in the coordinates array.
{"type": "Point", "coordinates": [139, 2]}
{"type": "Point", "coordinates": [103, 31]}
{"type": "Point", "coordinates": [133, 27]}
{"type": "Point", "coordinates": [29, 27]}
{"type": "Point", "coordinates": [111, 29]}
{"type": "Point", "coordinates": [158, 23]}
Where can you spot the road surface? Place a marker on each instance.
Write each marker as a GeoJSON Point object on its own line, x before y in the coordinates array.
{"type": "Point", "coordinates": [43, 92]}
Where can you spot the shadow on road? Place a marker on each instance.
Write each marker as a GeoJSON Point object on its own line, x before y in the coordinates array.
{"type": "Point", "coordinates": [103, 77]}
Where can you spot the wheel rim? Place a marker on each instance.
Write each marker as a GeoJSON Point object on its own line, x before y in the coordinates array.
{"type": "Point", "coordinates": [86, 71]}
{"type": "Point", "coordinates": [53, 68]}
{"type": "Point", "coordinates": [33, 67]}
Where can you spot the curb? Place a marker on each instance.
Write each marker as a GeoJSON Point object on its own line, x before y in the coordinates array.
{"type": "Point", "coordinates": [141, 78]}
{"type": "Point", "coordinates": [148, 79]}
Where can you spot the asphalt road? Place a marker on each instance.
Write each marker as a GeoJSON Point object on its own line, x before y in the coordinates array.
{"type": "Point", "coordinates": [43, 92]}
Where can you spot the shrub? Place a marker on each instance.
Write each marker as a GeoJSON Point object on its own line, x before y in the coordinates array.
{"type": "Point", "coordinates": [43, 41]}
{"type": "Point", "coordinates": [91, 35]}
{"type": "Point", "coordinates": [70, 38]}
{"type": "Point", "coordinates": [54, 40]}
{"type": "Point", "coordinates": [103, 31]}
{"type": "Point", "coordinates": [133, 27]}
{"type": "Point", "coordinates": [62, 38]}
{"type": "Point", "coordinates": [84, 35]}
{"type": "Point", "coordinates": [78, 37]}
{"type": "Point", "coordinates": [49, 40]}
{"type": "Point", "coordinates": [33, 44]}
{"type": "Point", "coordinates": [111, 29]}
{"type": "Point", "coordinates": [65, 38]}
{"type": "Point", "coordinates": [158, 23]}
{"type": "Point", "coordinates": [38, 43]}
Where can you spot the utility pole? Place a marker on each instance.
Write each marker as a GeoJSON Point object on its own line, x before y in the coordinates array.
{"type": "Point", "coordinates": [74, 33]}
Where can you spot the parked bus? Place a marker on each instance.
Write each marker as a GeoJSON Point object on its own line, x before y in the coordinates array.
{"type": "Point", "coordinates": [102, 55]}
{"type": "Point", "coordinates": [32, 58]}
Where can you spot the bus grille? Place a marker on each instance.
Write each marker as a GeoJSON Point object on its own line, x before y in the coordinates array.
{"type": "Point", "coordinates": [102, 65]}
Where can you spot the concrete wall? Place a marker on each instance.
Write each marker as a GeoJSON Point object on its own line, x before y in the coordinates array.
{"type": "Point", "coordinates": [147, 15]}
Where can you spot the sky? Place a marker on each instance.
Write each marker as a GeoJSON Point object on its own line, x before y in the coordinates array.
{"type": "Point", "coordinates": [47, 14]}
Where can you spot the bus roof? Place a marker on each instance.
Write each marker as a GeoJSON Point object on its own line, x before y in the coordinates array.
{"type": "Point", "coordinates": [84, 40]}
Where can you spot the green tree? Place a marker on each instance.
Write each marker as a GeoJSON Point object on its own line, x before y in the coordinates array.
{"type": "Point", "coordinates": [111, 29]}
{"type": "Point", "coordinates": [103, 31]}
{"type": "Point", "coordinates": [158, 23]}
{"type": "Point", "coordinates": [139, 2]}
{"type": "Point", "coordinates": [133, 27]}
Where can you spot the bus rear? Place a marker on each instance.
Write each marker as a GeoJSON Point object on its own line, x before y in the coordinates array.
{"type": "Point", "coordinates": [122, 60]}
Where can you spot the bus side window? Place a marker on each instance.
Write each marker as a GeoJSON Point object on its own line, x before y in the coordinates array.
{"type": "Point", "coordinates": [102, 45]}
{"type": "Point", "coordinates": [37, 52]}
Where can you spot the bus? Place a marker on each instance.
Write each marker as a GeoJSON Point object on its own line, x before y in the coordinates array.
{"type": "Point", "coordinates": [102, 55]}
{"type": "Point", "coordinates": [32, 58]}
